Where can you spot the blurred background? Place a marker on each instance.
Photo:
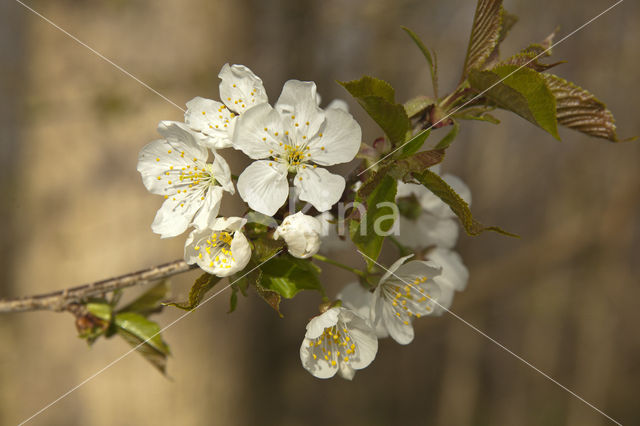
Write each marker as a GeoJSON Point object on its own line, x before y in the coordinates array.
{"type": "Point", "coordinates": [74, 210]}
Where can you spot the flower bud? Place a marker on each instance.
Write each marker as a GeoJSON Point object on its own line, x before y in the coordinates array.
{"type": "Point", "coordinates": [301, 233]}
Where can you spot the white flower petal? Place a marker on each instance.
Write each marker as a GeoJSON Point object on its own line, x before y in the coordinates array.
{"type": "Point", "coordinates": [241, 251]}
{"type": "Point", "coordinates": [352, 344]}
{"type": "Point", "coordinates": [319, 187]}
{"type": "Point", "coordinates": [319, 367]}
{"type": "Point", "coordinates": [240, 88]}
{"type": "Point", "coordinates": [364, 337]}
{"type": "Point", "coordinates": [338, 140]}
{"type": "Point", "coordinates": [222, 173]}
{"type": "Point", "coordinates": [391, 270]}
{"type": "Point", "coordinates": [301, 233]}
{"type": "Point", "coordinates": [316, 326]}
{"type": "Point", "coordinates": [297, 106]}
{"type": "Point", "coordinates": [428, 230]}
{"type": "Point", "coordinates": [213, 120]}
{"type": "Point", "coordinates": [454, 272]}
{"type": "Point", "coordinates": [356, 298]}
{"type": "Point", "coordinates": [338, 104]}
{"type": "Point", "coordinates": [178, 149]}
{"type": "Point", "coordinates": [174, 216]}
{"type": "Point", "coordinates": [346, 371]}
{"type": "Point", "coordinates": [209, 208]}
{"type": "Point", "coordinates": [232, 223]}
{"type": "Point", "coordinates": [375, 315]}
{"type": "Point", "coordinates": [221, 253]}
{"type": "Point", "coordinates": [251, 137]}
{"type": "Point", "coordinates": [407, 189]}
{"type": "Point", "coordinates": [263, 185]}
{"type": "Point", "coordinates": [408, 272]}
{"type": "Point", "coordinates": [399, 331]}
{"type": "Point", "coordinates": [454, 277]}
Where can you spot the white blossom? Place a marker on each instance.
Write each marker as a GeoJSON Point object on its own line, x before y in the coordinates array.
{"type": "Point", "coordinates": [294, 138]}
{"type": "Point", "coordinates": [338, 340]}
{"type": "Point", "coordinates": [454, 276]}
{"type": "Point", "coordinates": [240, 89]}
{"type": "Point", "coordinates": [221, 250]}
{"type": "Point", "coordinates": [436, 224]}
{"type": "Point", "coordinates": [176, 167]}
{"type": "Point", "coordinates": [405, 291]}
{"type": "Point", "coordinates": [301, 233]}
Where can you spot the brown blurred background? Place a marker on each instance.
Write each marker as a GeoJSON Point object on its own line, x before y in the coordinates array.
{"type": "Point", "coordinates": [564, 296]}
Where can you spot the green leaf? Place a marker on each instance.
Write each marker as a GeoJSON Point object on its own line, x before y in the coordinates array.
{"type": "Point", "coordinates": [377, 99]}
{"type": "Point", "coordinates": [427, 55]}
{"type": "Point", "coordinates": [580, 110]}
{"type": "Point", "coordinates": [440, 188]}
{"type": "Point", "coordinates": [144, 335]}
{"type": "Point", "coordinates": [417, 105]}
{"type": "Point", "coordinates": [149, 302]}
{"type": "Point", "coordinates": [520, 90]}
{"type": "Point", "coordinates": [477, 113]}
{"type": "Point", "coordinates": [485, 34]}
{"type": "Point", "coordinates": [200, 287]}
{"type": "Point", "coordinates": [142, 328]}
{"type": "Point", "coordinates": [414, 144]}
{"type": "Point", "coordinates": [148, 352]}
{"type": "Point", "coordinates": [287, 275]}
{"type": "Point", "coordinates": [272, 298]}
{"type": "Point", "coordinates": [391, 118]}
{"type": "Point", "coordinates": [507, 21]}
{"type": "Point", "coordinates": [369, 231]}
{"type": "Point", "coordinates": [370, 86]}
{"type": "Point", "coordinates": [449, 137]}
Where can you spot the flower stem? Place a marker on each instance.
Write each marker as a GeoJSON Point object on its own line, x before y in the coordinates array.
{"type": "Point", "coordinates": [325, 259]}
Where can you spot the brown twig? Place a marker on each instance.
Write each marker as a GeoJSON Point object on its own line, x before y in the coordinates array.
{"type": "Point", "coordinates": [61, 300]}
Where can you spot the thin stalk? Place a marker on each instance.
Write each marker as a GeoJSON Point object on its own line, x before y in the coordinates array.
{"type": "Point", "coordinates": [325, 259]}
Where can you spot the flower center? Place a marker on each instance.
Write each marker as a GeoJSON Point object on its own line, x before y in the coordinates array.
{"type": "Point", "coordinates": [217, 248]}
{"type": "Point", "coordinates": [334, 342]}
{"type": "Point", "coordinates": [408, 300]}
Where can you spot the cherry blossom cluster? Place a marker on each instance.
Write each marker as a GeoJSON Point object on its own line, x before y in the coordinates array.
{"type": "Point", "coordinates": [290, 144]}
{"type": "Point", "coordinates": [345, 338]}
